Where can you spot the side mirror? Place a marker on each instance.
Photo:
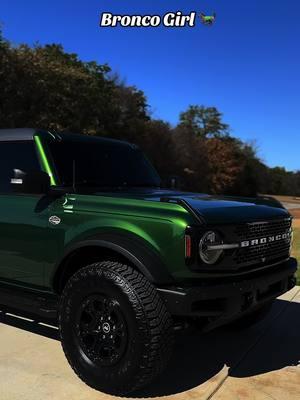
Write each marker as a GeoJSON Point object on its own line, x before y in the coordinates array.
{"type": "Point", "coordinates": [172, 182]}
{"type": "Point", "coordinates": [31, 182]}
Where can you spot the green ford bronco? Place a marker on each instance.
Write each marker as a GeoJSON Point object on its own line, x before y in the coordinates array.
{"type": "Point", "coordinates": [90, 239]}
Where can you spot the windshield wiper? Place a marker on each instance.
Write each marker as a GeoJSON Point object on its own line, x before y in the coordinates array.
{"type": "Point", "coordinates": [147, 185]}
{"type": "Point", "coordinates": [93, 185]}
{"type": "Point", "coordinates": [121, 185]}
{"type": "Point", "coordinates": [100, 186]}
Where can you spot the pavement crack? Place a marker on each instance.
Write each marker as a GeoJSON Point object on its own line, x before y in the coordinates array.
{"type": "Point", "coordinates": [218, 387]}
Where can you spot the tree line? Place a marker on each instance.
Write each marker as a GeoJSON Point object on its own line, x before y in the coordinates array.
{"type": "Point", "coordinates": [46, 87]}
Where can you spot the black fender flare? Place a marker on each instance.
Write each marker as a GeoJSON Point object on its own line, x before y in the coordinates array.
{"type": "Point", "coordinates": [139, 253]}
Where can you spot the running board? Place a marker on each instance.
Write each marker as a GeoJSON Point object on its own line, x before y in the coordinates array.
{"type": "Point", "coordinates": [35, 303]}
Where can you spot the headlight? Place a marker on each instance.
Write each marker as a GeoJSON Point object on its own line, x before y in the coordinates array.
{"type": "Point", "coordinates": [209, 247]}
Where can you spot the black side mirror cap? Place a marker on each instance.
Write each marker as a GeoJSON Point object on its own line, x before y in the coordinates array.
{"type": "Point", "coordinates": [31, 182]}
{"type": "Point", "coordinates": [171, 182]}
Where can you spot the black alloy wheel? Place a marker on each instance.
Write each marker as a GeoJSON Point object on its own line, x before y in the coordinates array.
{"type": "Point", "coordinates": [116, 331]}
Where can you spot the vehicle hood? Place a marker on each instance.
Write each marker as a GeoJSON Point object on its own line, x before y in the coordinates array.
{"type": "Point", "coordinates": [215, 209]}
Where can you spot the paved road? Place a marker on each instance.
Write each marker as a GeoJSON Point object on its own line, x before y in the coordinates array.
{"type": "Point", "coordinates": [291, 206]}
{"type": "Point", "coordinates": [259, 363]}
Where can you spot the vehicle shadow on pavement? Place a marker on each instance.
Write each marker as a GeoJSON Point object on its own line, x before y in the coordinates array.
{"type": "Point", "coordinates": [269, 345]}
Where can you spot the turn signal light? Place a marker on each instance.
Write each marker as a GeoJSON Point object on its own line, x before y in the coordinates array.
{"type": "Point", "coordinates": [188, 246]}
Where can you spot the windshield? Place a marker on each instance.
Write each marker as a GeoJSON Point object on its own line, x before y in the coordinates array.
{"type": "Point", "coordinates": [102, 163]}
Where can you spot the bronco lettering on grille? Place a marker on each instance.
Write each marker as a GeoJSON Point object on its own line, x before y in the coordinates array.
{"type": "Point", "coordinates": [265, 240]}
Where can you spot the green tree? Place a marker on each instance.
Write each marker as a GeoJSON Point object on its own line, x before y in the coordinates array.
{"type": "Point", "coordinates": [191, 159]}
{"type": "Point", "coordinates": [205, 122]}
{"type": "Point", "coordinates": [252, 176]}
{"type": "Point", "coordinates": [3, 42]}
{"type": "Point", "coordinates": [48, 88]}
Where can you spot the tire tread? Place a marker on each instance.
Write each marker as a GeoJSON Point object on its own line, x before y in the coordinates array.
{"type": "Point", "coordinates": [155, 322]}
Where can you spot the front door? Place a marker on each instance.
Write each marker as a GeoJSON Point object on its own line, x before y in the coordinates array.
{"type": "Point", "coordinates": [23, 219]}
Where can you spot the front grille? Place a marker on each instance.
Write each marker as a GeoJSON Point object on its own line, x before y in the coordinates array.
{"type": "Point", "coordinates": [262, 253]}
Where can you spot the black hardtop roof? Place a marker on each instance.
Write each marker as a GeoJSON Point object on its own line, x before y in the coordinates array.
{"type": "Point", "coordinates": [75, 137]}
{"type": "Point", "coordinates": [29, 133]}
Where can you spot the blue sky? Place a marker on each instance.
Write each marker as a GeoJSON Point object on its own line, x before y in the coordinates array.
{"type": "Point", "coordinates": [247, 64]}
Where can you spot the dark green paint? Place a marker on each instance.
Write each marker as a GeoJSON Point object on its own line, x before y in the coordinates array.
{"type": "Point", "coordinates": [31, 247]}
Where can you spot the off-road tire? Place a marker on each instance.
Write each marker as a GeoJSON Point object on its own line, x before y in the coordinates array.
{"type": "Point", "coordinates": [148, 326]}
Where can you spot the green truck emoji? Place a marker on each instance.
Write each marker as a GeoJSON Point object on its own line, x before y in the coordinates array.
{"type": "Point", "coordinates": [208, 19]}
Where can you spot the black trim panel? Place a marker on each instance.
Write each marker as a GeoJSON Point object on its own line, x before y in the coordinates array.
{"type": "Point", "coordinates": [32, 302]}
{"type": "Point", "coordinates": [132, 248]}
{"type": "Point", "coordinates": [222, 302]}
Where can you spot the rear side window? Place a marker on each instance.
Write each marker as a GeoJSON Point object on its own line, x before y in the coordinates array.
{"type": "Point", "coordinates": [16, 155]}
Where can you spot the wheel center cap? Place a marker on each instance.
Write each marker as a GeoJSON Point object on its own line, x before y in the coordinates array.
{"type": "Point", "coordinates": [106, 327]}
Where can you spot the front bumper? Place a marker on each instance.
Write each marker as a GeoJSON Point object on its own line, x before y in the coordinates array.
{"type": "Point", "coordinates": [219, 303]}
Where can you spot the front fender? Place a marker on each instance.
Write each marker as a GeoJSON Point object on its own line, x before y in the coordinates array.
{"type": "Point", "coordinates": [139, 253]}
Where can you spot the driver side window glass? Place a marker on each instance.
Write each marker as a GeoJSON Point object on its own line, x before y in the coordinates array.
{"type": "Point", "coordinates": [20, 155]}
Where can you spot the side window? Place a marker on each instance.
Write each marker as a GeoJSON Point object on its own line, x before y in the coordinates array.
{"type": "Point", "coordinates": [20, 155]}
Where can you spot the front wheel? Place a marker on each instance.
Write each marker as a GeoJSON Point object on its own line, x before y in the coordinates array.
{"type": "Point", "coordinates": [115, 330]}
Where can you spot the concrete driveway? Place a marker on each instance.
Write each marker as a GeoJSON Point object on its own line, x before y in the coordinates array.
{"type": "Point", "coordinates": [259, 363]}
